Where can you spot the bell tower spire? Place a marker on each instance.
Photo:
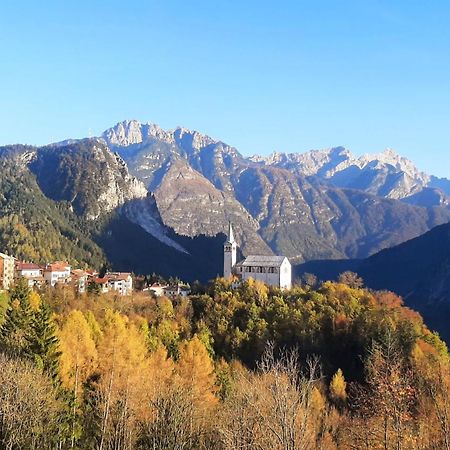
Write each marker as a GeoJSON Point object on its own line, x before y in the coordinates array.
{"type": "Point", "coordinates": [230, 234]}
{"type": "Point", "coordinates": [229, 253]}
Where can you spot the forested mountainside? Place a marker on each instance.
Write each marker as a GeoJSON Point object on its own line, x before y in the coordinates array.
{"type": "Point", "coordinates": [77, 202]}
{"type": "Point", "coordinates": [418, 270]}
{"type": "Point", "coordinates": [33, 227]}
{"type": "Point", "coordinates": [303, 216]}
{"type": "Point", "coordinates": [328, 368]}
{"type": "Point", "coordinates": [88, 175]}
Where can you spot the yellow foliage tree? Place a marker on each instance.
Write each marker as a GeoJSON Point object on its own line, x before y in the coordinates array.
{"type": "Point", "coordinates": [78, 353]}
{"type": "Point", "coordinates": [338, 388]}
{"type": "Point", "coordinates": [35, 300]}
{"type": "Point", "coordinates": [94, 326]}
{"type": "Point", "coordinates": [124, 374]}
{"type": "Point", "coordinates": [161, 367]}
{"type": "Point", "coordinates": [196, 372]}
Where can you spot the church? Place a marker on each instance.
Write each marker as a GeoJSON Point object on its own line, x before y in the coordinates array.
{"type": "Point", "coordinates": [272, 270]}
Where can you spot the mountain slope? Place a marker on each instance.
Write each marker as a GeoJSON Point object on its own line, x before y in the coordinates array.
{"type": "Point", "coordinates": [33, 227]}
{"type": "Point", "coordinates": [419, 270]}
{"type": "Point", "coordinates": [86, 174]}
{"type": "Point", "coordinates": [192, 205]}
{"type": "Point", "coordinates": [293, 206]}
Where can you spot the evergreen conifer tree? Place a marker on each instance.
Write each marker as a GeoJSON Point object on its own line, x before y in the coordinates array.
{"type": "Point", "coordinates": [42, 342]}
{"type": "Point", "coordinates": [17, 319]}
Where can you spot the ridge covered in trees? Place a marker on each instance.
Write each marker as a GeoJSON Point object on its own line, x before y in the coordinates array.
{"type": "Point", "coordinates": [336, 367]}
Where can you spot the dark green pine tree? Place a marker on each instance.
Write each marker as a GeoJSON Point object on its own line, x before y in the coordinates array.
{"type": "Point", "coordinates": [42, 342]}
{"type": "Point", "coordinates": [17, 319]}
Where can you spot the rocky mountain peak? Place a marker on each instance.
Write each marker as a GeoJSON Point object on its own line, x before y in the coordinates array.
{"type": "Point", "coordinates": [131, 132]}
{"type": "Point", "coordinates": [397, 162]}
{"type": "Point", "coordinates": [126, 133]}
{"type": "Point", "coordinates": [194, 139]}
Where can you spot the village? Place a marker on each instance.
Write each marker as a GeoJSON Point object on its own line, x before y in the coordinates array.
{"type": "Point", "coordinates": [61, 273]}
{"type": "Point", "coordinates": [272, 270]}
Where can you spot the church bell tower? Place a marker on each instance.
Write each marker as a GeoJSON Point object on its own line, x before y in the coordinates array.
{"type": "Point", "coordinates": [229, 253]}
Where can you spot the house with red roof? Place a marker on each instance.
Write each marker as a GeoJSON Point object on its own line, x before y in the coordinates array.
{"type": "Point", "coordinates": [33, 273]}
{"type": "Point", "coordinates": [121, 282]}
{"type": "Point", "coordinates": [57, 272]}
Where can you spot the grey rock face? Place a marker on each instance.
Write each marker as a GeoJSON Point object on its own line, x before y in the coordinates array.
{"type": "Point", "coordinates": [192, 205]}
{"type": "Point", "coordinates": [88, 175]}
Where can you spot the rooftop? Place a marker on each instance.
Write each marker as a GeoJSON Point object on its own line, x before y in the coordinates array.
{"type": "Point", "coordinates": [27, 266]}
{"type": "Point", "coordinates": [100, 280]}
{"type": "Point", "coordinates": [79, 273]}
{"type": "Point", "coordinates": [57, 267]}
{"type": "Point", "coordinates": [262, 261]}
{"type": "Point", "coordinates": [118, 276]}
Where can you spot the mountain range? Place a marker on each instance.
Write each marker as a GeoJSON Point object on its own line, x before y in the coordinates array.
{"type": "Point", "coordinates": [386, 174]}
{"type": "Point", "coordinates": [147, 199]}
{"type": "Point", "coordinates": [306, 206]}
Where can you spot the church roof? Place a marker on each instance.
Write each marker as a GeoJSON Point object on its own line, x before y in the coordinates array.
{"type": "Point", "coordinates": [262, 261]}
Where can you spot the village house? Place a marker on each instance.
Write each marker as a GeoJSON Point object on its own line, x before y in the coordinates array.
{"type": "Point", "coordinates": [177, 290]}
{"type": "Point", "coordinates": [102, 282]}
{"type": "Point", "coordinates": [31, 272]}
{"type": "Point", "coordinates": [121, 282]}
{"type": "Point", "coordinates": [272, 270]}
{"type": "Point", "coordinates": [79, 279]}
{"type": "Point", "coordinates": [7, 264]}
{"type": "Point", "coordinates": [57, 272]}
{"type": "Point", "coordinates": [61, 273]}
{"type": "Point", "coordinates": [157, 289]}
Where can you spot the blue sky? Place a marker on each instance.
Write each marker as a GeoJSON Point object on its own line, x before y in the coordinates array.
{"type": "Point", "coordinates": [259, 75]}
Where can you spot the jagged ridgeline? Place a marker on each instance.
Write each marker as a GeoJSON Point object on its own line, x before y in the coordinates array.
{"type": "Point", "coordinates": [318, 205]}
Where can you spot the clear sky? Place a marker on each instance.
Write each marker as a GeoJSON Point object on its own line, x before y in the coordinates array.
{"type": "Point", "coordinates": [285, 75]}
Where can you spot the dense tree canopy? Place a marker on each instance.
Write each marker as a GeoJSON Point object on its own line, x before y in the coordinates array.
{"type": "Point", "coordinates": [332, 367]}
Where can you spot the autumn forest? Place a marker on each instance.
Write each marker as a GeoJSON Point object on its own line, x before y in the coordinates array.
{"type": "Point", "coordinates": [333, 366]}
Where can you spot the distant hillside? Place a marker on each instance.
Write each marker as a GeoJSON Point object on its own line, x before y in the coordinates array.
{"type": "Point", "coordinates": [418, 270]}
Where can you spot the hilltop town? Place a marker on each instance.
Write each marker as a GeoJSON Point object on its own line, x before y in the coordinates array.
{"type": "Point", "coordinates": [61, 273]}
